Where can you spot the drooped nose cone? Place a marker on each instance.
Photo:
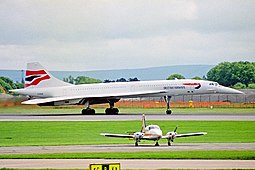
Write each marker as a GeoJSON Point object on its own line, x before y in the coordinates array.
{"type": "Point", "coordinates": [227, 90]}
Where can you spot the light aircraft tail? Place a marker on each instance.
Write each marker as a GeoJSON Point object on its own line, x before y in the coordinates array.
{"type": "Point", "coordinates": [143, 123]}
{"type": "Point", "coordinates": [38, 77]}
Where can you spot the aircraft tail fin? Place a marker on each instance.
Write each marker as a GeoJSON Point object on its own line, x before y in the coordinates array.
{"type": "Point", "coordinates": [143, 123]}
{"type": "Point", "coordinates": [38, 77]}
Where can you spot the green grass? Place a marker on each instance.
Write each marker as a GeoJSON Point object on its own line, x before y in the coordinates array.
{"type": "Point", "coordinates": [77, 109]}
{"type": "Point", "coordinates": [37, 109]}
{"type": "Point", "coordinates": [242, 155]}
{"type": "Point", "coordinates": [17, 133]}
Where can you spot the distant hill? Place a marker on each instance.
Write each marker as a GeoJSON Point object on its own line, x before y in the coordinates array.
{"type": "Point", "coordinates": [153, 73]}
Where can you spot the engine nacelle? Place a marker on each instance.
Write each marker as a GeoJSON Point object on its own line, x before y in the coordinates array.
{"type": "Point", "coordinates": [138, 136]}
{"type": "Point", "coordinates": [171, 135]}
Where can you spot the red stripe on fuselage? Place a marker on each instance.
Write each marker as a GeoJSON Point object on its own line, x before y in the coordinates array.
{"type": "Point", "coordinates": [150, 134]}
{"type": "Point", "coordinates": [29, 72]}
{"type": "Point", "coordinates": [38, 80]}
{"type": "Point", "coordinates": [191, 84]}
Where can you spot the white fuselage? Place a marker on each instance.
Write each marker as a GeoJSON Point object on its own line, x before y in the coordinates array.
{"type": "Point", "coordinates": [45, 89]}
{"type": "Point", "coordinates": [168, 87]}
{"type": "Point", "coordinates": [153, 131]}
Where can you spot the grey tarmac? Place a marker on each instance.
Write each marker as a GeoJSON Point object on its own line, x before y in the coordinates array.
{"type": "Point", "coordinates": [121, 117]}
{"type": "Point", "coordinates": [125, 148]}
{"type": "Point", "coordinates": [127, 163]}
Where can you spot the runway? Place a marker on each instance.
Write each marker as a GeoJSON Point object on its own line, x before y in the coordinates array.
{"type": "Point", "coordinates": [125, 148]}
{"type": "Point", "coordinates": [127, 164]}
{"type": "Point", "coordinates": [122, 117]}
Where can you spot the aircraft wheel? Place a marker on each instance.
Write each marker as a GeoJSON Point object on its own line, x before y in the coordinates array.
{"type": "Point", "coordinates": [111, 111]}
{"type": "Point", "coordinates": [169, 112]}
{"type": "Point", "coordinates": [136, 143]}
{"type": "Point", "coordinates": [108, 111]}
{"type": "Point", "coordinates": [157, 144]}
{"type": "Point", "coordinates": [92, 111]}
{"type": "Point", "coordinates": [88, 111]}
{"type": "Point", "coordinates": [116, 111]}
{"type": "Point", "coordinates": [84, 111]}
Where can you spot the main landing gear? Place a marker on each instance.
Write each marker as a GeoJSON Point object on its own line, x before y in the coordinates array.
{"type": "Point", "coordinates": [169, 143]}
{"type": "Point", "coordinates": [111, 110]}
{"type": "Point", "coordinates": [88, 110]}
{"type": "Point", "coordinates": [167, 100]}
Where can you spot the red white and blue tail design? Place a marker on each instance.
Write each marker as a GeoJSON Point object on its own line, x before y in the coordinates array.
{"type": "Point", "coordinates": [37, 76]}
{"type": "Point", "coordinates": [33, 78]}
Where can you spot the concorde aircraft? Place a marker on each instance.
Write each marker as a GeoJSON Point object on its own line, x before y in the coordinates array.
{"type": "Point", "coordinates": [46, 90]}
{"type": "Point", "coordinates": [152, 132]}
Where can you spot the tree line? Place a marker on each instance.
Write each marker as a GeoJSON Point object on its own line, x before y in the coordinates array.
{"type": "Point", "coordinates": [88, 80]}
{"type": "Point", "coordinates": [239, 75]}
{"type": "Point", "coordinates": [236, 74]}
{"type": "Point", "coordinates": [81, 80]}
{"type": "Point", "coordinates": [8, 84]}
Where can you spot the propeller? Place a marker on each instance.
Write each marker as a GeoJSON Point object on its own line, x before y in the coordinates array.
{"type": "Point", "coordinates": [176, 128]}
{"type": "Point", "coordinates": [138, 136]}
{"type": "Point", "coordinates": [172, 136]}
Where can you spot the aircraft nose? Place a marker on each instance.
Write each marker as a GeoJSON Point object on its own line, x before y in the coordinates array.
{"type": "Point", "coordinates": [227, 90]}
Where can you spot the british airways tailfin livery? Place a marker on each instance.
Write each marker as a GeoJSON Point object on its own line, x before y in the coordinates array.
{"type": "Point", "coordinates": [38, 77]}
{"type": "Point", "coordinates": [46, 90]}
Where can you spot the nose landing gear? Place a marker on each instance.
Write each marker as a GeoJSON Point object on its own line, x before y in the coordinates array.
{"type": "Point", "coordinates": [167, 100]}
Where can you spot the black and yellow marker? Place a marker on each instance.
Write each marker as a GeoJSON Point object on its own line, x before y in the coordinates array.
{"type": "Point", "coordinates": [109, 166]}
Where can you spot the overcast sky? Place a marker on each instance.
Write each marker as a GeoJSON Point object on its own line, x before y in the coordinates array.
{"type": "Point", "coordinates": [117, 34]}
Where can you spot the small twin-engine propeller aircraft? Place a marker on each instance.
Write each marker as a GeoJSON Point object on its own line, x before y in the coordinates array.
{"type": "Point", "coordinates": [152, 132]}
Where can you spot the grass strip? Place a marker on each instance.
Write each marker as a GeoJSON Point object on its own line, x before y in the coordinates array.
{"type": "Point", "coordinates": [19, 133]}
{"type": "Point", "coordinates": [234, 155]}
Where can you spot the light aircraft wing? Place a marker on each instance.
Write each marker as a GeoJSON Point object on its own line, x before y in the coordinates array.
{"type": "Point", "coordinates": [190, 134]}
{"type": "Point", "coordinates": [185, 135]}
{"type": "Point", "coordinates": [110, 95]}
{"type": "Point", "coordinates": [117, 135]}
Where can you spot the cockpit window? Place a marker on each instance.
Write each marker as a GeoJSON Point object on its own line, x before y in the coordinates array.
{"type": "Point", "coordinates": [153, 127]}
{"type": "Point", "coordinates": [213, 84]}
